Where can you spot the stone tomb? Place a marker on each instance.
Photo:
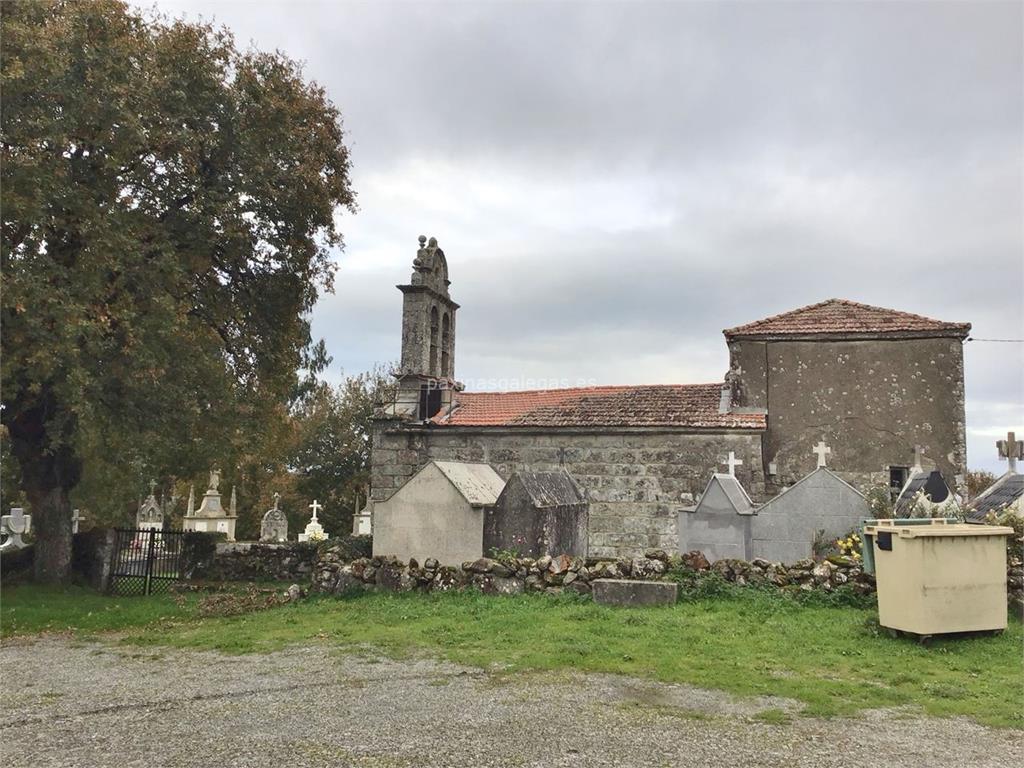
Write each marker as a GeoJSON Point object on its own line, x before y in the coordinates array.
{"type": "Point", "coordinates": [783, 529]}
{"type": "Point", "coordinates": [537, 514]}
{"type": "Point", "coordinates": [719, 526]}
{"type": "Point", "coordinates": [211, 517]}
{"type": "Point", "coordinates": [274, 527]}
{"type": "Point", "coordinates": [1007, 493]}
{"type": "Point", "coordinates": [624, 592]}
{"type": "Point", "coordinates": [438, 513]}
{"type": "Point", "coordinates": [922, 494]}
{"type": "Point", "coordinates": [150, 516]}
{"type": "Point", "coordinates": [314, 531]}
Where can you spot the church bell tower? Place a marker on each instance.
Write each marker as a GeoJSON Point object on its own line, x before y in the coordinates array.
{"type": "Point", "coordinates": [426, 377]}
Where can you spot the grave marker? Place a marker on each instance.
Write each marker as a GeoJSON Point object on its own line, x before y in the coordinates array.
{"type": "Point", "coordinates": [275, 523]}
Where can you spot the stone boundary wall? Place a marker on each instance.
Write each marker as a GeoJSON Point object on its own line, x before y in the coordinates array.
{"type": "Point", "coordinates": [254, 561]}
{"type": "Point", "coordinates": [554, 575]}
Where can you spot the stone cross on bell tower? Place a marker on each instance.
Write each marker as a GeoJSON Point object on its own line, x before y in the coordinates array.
{"type": "Point", "coordinates": [427, 373]}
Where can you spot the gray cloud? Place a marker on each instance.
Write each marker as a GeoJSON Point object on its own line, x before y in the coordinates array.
{"type": "Point", "coordinates": [615, 183]}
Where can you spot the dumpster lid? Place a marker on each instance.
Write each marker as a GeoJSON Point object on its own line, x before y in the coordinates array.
{"type": "Point", "coordinates": [940, 527]}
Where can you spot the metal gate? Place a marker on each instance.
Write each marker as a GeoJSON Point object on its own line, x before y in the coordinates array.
{"type": "Point", "coordinates": [145, 560]}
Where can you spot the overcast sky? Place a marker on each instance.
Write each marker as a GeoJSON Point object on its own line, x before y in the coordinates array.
{"type": "Point", "coordinates": [614, 184]}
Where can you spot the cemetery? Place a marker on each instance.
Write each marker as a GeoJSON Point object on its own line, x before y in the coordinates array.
{"type": "Point", "coordinates": [657, 454]}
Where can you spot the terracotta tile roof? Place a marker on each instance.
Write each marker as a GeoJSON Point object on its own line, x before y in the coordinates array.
{"type": "Point", "coordinates": [841, 317]}
{"type": "Point", "coordinates": [671, 405]}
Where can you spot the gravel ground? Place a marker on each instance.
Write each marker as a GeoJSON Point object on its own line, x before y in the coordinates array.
{"type": "Point", "coordinates": [67, 703]}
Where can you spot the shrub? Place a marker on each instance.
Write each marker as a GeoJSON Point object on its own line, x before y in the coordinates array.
{"type": "Point", "coordinates": [879, 500]}
{"type": "Point", "coordinates": [1014, 543]}
{"type": "Point", "coordinates": [849, 545]}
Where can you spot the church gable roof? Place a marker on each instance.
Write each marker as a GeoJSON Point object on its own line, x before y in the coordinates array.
{"type": "Point", "coordinates": [840, 317]}
{"type": "Point", "coordinates": [671, 405]}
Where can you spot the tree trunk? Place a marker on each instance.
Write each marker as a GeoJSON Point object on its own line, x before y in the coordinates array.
{"type": "Point", "coordinates": [51, 525]}
{"type": "Point", "coordinates": [50, 468]}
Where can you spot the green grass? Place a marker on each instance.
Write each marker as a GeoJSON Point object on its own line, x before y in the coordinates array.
{"type": "Point", "coordinates": [29, 609]}
{"type": "Point", "coordinates": [833, 659]}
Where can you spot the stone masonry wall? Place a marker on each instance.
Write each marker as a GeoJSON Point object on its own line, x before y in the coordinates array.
{"type": "Point", "coordinates": [554, 575]}
{"type": "Point", "coordinates": [241, 561]}
{"type": "Point", "coordinates": [871, 401]}
{"type": "Point", "coordinates": [634, 478]}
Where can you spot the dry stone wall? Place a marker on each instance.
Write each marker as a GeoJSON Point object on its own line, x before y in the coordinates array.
{"type": "Point", "coordinates": [554, 575]}
{"type": "Point", "coordinates": [289, 561]}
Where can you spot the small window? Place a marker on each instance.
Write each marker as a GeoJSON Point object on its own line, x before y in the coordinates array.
{"type": "Point", "coordinates": [430, 401]}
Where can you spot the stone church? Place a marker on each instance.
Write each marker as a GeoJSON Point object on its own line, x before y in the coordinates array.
{"type": "Point", "coordinates": [879, 387]}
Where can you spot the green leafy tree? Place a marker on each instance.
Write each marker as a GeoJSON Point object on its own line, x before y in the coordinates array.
{"type": "Point", "coordinates": [978, 480]}
{"type": "Point", "coordinates": [169, 207]}
{"type": "Point", "coordinates": [331, 460]}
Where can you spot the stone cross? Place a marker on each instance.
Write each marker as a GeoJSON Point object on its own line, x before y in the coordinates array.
{"type": "Point", "coordinates": [1011, 449]}
{"type": "Point", "coordinates": [822, 450]}
{"type": "Point", "coordinates": [316, 507]}
{"type": "Point", "coordinates": [733, 462]}
{"type": "Point", "coordinates": [277, 498]}
{"type": "Point", "coordinates": [152, 487]}
{"type": "Point", "coordinates": [76, 518]}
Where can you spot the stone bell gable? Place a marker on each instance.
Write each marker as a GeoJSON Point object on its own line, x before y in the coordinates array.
{"type": "Point", "coordinates": [427, 370]}
{"type": "Point", "coordinates": [872, 382]}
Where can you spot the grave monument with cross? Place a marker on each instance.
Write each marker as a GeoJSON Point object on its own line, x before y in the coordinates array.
{"type": "Point", "coordinates": [274, 527]}
{"type": "Point", "coordinates": [1006, 494]}
{"type": "Point", "coordinates": [1012, 450]}
{"type": "Point", "coordinates": [13, 527]}
{"type": "Point", "coordinates": [314, 531]}
{"type": "Point", "coordinates": [150, 515]}
{"type": "Point", "coordinates": [211, 517]}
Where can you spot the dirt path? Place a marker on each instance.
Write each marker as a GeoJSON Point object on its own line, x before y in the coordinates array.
{"type": "Point", "coordinates": [91, 705]}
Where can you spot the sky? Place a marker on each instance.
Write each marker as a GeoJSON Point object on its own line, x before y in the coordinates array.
{"type": "Point", "coordinates": [615, 183]}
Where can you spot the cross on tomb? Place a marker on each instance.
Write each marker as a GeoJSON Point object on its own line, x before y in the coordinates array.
{"type": "Point", "coordinates": [76, 518]}
{"type": "Point", "coordinates": [152, 487]}
{"type": "Point", "coordinates": [14, 526]}
{"type": "Point", "coordinates": [822, 450]}
{"type": "Point", "coordinates": [17, 522]}
{"type": "Point", "coordinates": [277, 498]}
{"type": "Point", "coordinates": [316, 506]}
{"type": "Point", "coordinates": [1011, 449]}
{"type": "Point", "coordinates": [733, 462]}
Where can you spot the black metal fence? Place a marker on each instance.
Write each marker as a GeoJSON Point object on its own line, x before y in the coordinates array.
{"type": "Point", "coordinates": [146, 561]}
